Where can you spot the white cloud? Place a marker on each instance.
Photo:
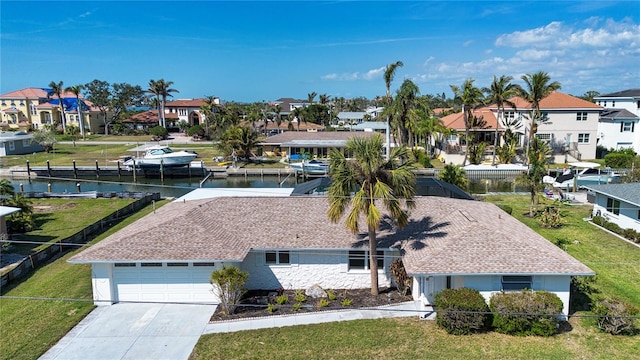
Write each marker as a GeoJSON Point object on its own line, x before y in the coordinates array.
{"type": "Point", "coordinates": [541, 35]}
{"type": "Point", "coordinates": [369, 75]}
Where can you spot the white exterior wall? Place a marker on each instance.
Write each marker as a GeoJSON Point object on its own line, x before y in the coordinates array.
{"type": "Point", "coordinates": [628, 218]}
{"type": "Point", "coordinates": [563, 124]}
{"type": "Point", "coordinates": [488, 285]}
{"type": "Point", "coordinates": [610, 135]}
{"type": "Point", "coordinates": [102, 284]}
{"type": "Point", "coordinates": [627, 103]}
{"type": "Point", "coordinates": [327, 268]}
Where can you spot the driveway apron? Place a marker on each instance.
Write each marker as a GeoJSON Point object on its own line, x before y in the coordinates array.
{"type": "Point", "coordinates": [135, 331]}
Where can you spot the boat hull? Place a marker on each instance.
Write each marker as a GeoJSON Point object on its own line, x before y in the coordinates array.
{"type": "Point", "coordinates": [168, 161]}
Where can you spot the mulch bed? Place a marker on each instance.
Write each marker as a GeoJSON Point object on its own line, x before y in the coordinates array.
{"type": "Point", "coordinates": [255, 303]}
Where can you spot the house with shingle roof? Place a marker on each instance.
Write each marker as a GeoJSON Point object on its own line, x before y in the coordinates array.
{"type": "Point", "coordinates": [186, 110]}
{"type": "Point", "coordinates": [617, 203]}
{"type": "Point", "coordinates": [288, 242]}
{"type": "Point", "coordinates": [317, 144]}
{"type": "Point", "coordinates": [618, 127]}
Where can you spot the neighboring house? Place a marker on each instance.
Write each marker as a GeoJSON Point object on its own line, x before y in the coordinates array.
{"type": "Point", "coordinates": [317, 144]}
{"type": "Point", "coordinates": [571, 125]}
{"type": "Point", "coordinates": [17, 143]}
{"type": "Point", "coordinates": [288, 242]}
{"type": "Point", "coordinates": [4, 212]}
{"type": "Point", "coordinates": [34, 107]}
{"type": "Point", "coordinates": [148, 119]}
{"type": "Point", "coordinates": [187, 110]}
{"type": "Point", "coordinates": [618, 127]}
{"type": "Point", "coordinates": [455, 143]}
{"type": "Point", "coordinates": [618, 203]}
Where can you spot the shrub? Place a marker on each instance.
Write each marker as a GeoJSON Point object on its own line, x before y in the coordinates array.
{"type": "Point", "coordinates": [562, 243]}
{"type": "Point", "coordinates": [619, 159]}
{"type": "Point", "coordinates": [271, 308]}
{"type": "Point", "coordinates": [196, 130]}
{"type": "Point", "coordinates": [228, 284]}
{"type": "Point", "coordinates": [462, 311]}
{"type": "Point", "coordinates": [550, 218]}
{"type": "Point", "coordinates": [282, 299]}
{"type": "Point", "coordinates": [323, 302]}
{"type": "Point", "coordinates": [598, 220]}
{"type": "Point", "coordinates": [158, 133]}
{"type": "Point", "coordinates": [296, 306]}
{"type": "Point", "coordinates": [346, 302]}
{"type": "Point", "coordinates": [614, 316]}
{"type": "Point", "coordinates": [300, 297]}
{"type": "Point", "coordinates": [331, 295]}
{"type": "Point", "coordinates": [526, 312]}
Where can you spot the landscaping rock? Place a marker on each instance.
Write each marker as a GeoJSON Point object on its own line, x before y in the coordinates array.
{"type": "Point", "coordinates": [315, 292]}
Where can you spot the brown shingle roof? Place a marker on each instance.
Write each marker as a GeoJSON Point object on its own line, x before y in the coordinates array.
{"type": "Point", "coordinates": [442, 238]}
{"type": "Point", "coordinates": [289, 136]}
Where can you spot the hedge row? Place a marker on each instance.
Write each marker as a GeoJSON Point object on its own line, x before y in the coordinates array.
{"type": "Point", "coordinates": [629, 234]}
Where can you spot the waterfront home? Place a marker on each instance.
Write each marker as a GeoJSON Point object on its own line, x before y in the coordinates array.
{"type": "Point", "coordinates": [315, 144]}
{"type": "Point", "coordinates": [288, 242]}
{"type": "Point", "coordinates": [17, 143]}
{"type": "Point", "coordinates": [617, 203]}
{"type": "Point", "coordinates": [618, 126]}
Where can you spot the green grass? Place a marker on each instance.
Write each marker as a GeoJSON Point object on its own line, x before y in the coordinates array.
{"type": "Point", "coordinates": [56, 219]}
{"type": "Point", "coordinates": [29, 327]}
{"type": "Point", "coordinates": [407, 338]}
{"type": "Point", "coordinates": [616, 263]}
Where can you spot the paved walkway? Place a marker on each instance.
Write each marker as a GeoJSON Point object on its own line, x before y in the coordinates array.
{"type": "Point", "coordinates": [407, 309]}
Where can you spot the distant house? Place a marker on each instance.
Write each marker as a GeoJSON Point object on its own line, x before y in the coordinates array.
{"type": "Point", "coordinates": [288, 242]}
{"type": "Point", "coordinates": [4, 212]}
{"type": "Point", "coordinates": [317, 144]}
{"type": "Point", "coordinates": [147, 120]}
{"type": "Point", "coordinates": [186, 110]}
{"type": "Point", "coordinates": [618, 126]}
{"type": "Point", "coordinates": [618, 203]}
{"type": "Point", "coordinates": [17, 143]}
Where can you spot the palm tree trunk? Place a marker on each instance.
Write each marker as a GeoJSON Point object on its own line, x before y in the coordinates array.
{"type": "Point", "coordinates": [373, 260]}
{"type": "Point", "coordinates": [495, 140]}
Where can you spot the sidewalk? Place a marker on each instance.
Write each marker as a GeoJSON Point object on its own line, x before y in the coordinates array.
{"type": "Point", "coordinates": [406, 309]}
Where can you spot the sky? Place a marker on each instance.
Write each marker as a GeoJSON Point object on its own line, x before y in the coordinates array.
{"type": "Point", "coordinates": [263, 50]}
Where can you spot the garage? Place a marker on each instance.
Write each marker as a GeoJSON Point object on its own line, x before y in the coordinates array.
{"type": "Point", "coordinates": [180, 282]}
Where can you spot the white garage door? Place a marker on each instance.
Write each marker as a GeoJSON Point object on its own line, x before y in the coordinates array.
{"type": "Point", "coordinates": [164, 282]}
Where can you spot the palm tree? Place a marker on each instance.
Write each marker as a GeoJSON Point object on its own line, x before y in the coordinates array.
{"type": "Point", "coordinates": [324, 99]}
{"type": "Point", "coordinates": [311, 96]}
{"type": "Point", "coordinates": [277, 109]}
{"type": "Point", "coordinates": [538, 87]}
{"type": "Point", "coordinates": [165, 91]}
{"type": "Point", "coordinates": [298, 113]}
{"type": "Point", "coordinates": [389, 73]}
{"type": "Point", "coordinates": [469, 97]}
{"type": "Point", "coordinates": [499, 93]}
{"type": "Point", "coordinates": [405, 101]}
{"type": "Point", "coordinates": [454, 174]}
{"type": "Point", "coordinates": [154, 92]}
{"type": "Point", "coordinates": [58, 89]}
{"type": "Point", "coordinates": [366, 181]}
{"type": "Point", "coordinates": [76, 90]}
{"type": "Point", "coordinates": [6, 188]}
{"type": "Point", "coordinates": [538, 152]}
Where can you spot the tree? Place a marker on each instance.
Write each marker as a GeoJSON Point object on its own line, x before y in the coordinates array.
{"type": "Point", "coordinates": [277, 109]}
{"type": "Point", "coordinates": [6, 188]}
{"type": "Point", "coordinates": [400, 111]}
{"type": "Point", "coordinates": [454, 174]}
{"type": "Point", "coordinates": [311, 96]}
{"type": "Point", "coordinates": [239, 139]}
{"type": "Point", "coordinates": [499, 93]}
{"type": "Point", "coordinates": [228, 284]}
{"type": "Point", "coordinates": [298, 115]}
{"type": "Point", "coordinates": [389, 74]}
{"type": "Point", "coordinates": [58, 89]}
{"type": "Point", "coordinates": [46, 136]}
{"type": "Point", "coordinates": [369, 180]}
{"type": "Point", "coordinates": [590, 95]}
{"type": "Point", "coordinates": [538, 153]}
{"type": "Point", "coordinates": [538, 87]}
{"type": "Point", "coordinates": [161, 89]}
{"type": "Point", "coordinates": [113, 98]}
{"type": "Point", "coordinates": [469, 97]}
{"type": "Point", "coordinates": [72, 131]}
{"type": "Point", "coordinates": [153, 91]}
{"type": "Point", "coordinates": [76, 90]}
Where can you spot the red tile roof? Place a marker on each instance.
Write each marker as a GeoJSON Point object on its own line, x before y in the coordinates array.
{"type": "Point", "coordinates": [185, 103]}
{"type": "Point", "coordinates": [35, 93]}
{"type": "Point", "coordinates": [148, 117]}
{"type": "Point", "coordinates": [444, 236]}
{"type": "Point", "coordinates": [456, 121]}
{"type": "Point", "coordinates": [556, 100]}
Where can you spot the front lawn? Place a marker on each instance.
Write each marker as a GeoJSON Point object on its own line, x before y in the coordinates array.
{"type": "Point", "coordinates": [30, 326]}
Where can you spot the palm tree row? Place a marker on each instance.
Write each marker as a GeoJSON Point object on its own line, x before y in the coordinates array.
{"type": "Point", "coordinates": [160, 90]}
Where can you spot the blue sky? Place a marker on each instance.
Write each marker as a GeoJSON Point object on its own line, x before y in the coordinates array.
{"type": "Point", "coordinates": [254, 51]}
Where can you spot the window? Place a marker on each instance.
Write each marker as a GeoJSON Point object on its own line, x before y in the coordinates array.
{"type": "Point", "coordinates": [627, 126]}
{"type": "Point", "coordinates": [277, 257]}
{"type": "Point", "coordinates": [638, 215]}
{"type": "Point", "coordinates": [26, 143]}
{"type": "Point", "coordinates": [613, 103]}
{"type": "Point", "coordinates": [583, 138]}
{"type": "Point", "coordinates": [613, 206]}
{"type": "Point", "coordinates": [174, 264]}
{"type": "Point", "coordinates": [182, 112]}
{"type": "Point", "coordinates": [605, 104]}
{"type": "Point", "coordinates": [516, 283]}
{"type": "Point", "coordinates": [545, 137]}
{"type": "Point", "coordinates": [359, 260]}
{"type": "Point", "coordinates": [12, 146]}
{"type": "Point", "coordinates": [125, 264]}
{"type": "Point", "coordinates": [581, 116]}
{"type": "Point", "coordinates": [33, 109]}
{"type": "Point", "coordinates": [509, 115]}
{"type": "Point", "coordinates": [204, 264]}
{"type": "Point", "coordinates": [151, 264]}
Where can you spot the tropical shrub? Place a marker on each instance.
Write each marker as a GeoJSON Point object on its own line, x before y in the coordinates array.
{"type": "Point", "coordinates": [300, 297]}
{"type": "Point", "coordinates": [476, 152]}
{"type": "Point", "coordinates": [228, 284]}
{"type": "Point", "coordinates": [346, 302]}
{"type": "Point", "coordinates": [454, 174]}
{"type": "Point", "coordinates": [323, 302]}
{"type": "Point", "coordinates": [422, 158]}
{"type": "Point", "coordinates": [158, 133]}
{"type": "Point", "coordinates": [550, 218]}
{"type": "Point", "coordinates": [526, 312]}
{"type": "Point", "coordinates": [462, 311]}
{"type": "Point", "coordinates": [506, 208]}
{"type": "Point", "coordinates": [282, 299]}
{"type": "Point", "coordinates": [296, 306]}
{"type": "Point", "coordinates": [615, 316]}
{"type": "Point", "coordinates": [619, 159]}
{"type": "Point", "coordinates": [271, 308]}
{"type": "Point", "coordinates": [331, 295]}
{"type": "Point", "coordinates": [196, 130]}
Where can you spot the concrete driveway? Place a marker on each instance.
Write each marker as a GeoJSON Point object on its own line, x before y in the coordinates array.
{"type": "Point", "coordinates": [135, 331]}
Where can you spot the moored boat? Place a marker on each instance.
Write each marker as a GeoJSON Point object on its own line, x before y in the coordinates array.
{"type": "Point", "coordinates": [156, 156]}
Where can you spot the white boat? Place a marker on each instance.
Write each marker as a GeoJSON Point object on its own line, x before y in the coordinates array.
{"type": "Point", "coordinates": [313, 167]}
{"type": "Point", "coordinates": [580, 174]}
{"type": "Point", "coordinates": [162, 155]}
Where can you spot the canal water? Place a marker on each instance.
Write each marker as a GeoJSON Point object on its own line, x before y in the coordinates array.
{"type": "Point", "coordinates": [179, 187]}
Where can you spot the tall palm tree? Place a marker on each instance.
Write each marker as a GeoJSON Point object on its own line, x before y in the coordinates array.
{"type": "Point", "coordinates": [532, 179]}
{"type": "Point", "coordinates": [153, 92]}
{"type": "Point", "coordinates": [406, 100]}
{"type": "Point", "coordinates": [499, 93]}
{"type": "Point", "coordinates": [165, 91]}
{"type": "Point", "coordinates": [298, 114]}
{"type": "Point", "coordinates": [367, 181]}
{"type": "Point", "coordinates": [324, 99]}
{"type": "Point", "coordinates": [537, 87]}
{"type": "Point", "coordinates": [277, 109]}
{"type": "Point", "coordinates": [389, 74]}
{"type": "Point", "coordinates": [76, 90]}
{"type": "Point", "coordinates": [311, 96]}
{"type": "Point", "coordinates": [469, 97]}
{"type": "Point", "coordinates": [58, 90]}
